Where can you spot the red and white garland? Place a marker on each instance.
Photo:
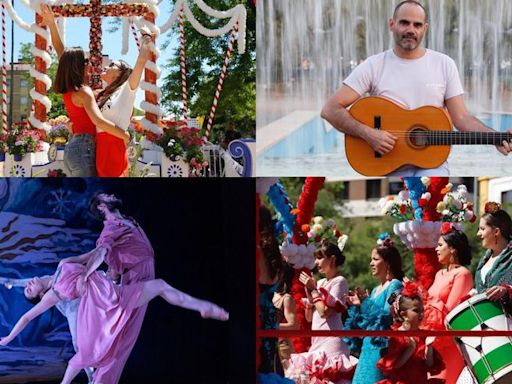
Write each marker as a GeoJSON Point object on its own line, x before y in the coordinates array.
{"type": "Point", "coordinates": [182, 11]}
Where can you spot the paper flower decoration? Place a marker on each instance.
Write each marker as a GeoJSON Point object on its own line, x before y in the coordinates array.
{"type": "Point", "coordinates": [455, 207]}
{"type": "Point", "coordinates": [320, 229]}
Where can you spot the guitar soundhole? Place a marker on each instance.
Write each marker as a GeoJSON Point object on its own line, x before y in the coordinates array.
{"type": "Point", "coordinates": [417, 137]}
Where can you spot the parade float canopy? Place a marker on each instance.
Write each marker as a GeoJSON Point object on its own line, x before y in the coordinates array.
{"type": "Point", "coordinates": [146, 13]}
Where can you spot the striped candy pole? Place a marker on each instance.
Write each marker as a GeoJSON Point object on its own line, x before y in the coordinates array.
{"type": "Point", "coordinates": [4, 72]}
{"type": "Point", "coordinates": [183, 67]}
{"type": "Point", "coordinates": [41, 82]}
{"type": "Point", "coordinates": [151, 73]}
{"type": "Point", "coordinates": [219, 84]}
{"type": "Point", "coordinates": [132, 27]}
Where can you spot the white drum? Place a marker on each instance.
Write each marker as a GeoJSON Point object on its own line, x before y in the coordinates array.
{"type": "Point", "coordinates": [488, 358]}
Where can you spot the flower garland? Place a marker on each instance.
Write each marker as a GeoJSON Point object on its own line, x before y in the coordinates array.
{"type": "Point", "coordinates": [306, 206]}
{"type": "Point", "coordinates": [95, 11]}
{"type": "Point", "coordinates": [304, 212]}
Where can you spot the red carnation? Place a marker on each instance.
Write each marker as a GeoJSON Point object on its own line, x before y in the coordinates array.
{"type": "Point", "coordinates": [411, 289]}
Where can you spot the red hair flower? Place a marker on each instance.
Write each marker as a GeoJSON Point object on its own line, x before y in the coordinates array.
{"type": "Point", "coordinates": [492, 207]}
{"type": "Point", "coordinates": [411, 289]}
{"type": "Point", "coordinates": [447, 228]}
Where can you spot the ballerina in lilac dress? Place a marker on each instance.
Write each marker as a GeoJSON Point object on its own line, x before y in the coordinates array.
{"type": "Point", "coordinates": [104, 310]}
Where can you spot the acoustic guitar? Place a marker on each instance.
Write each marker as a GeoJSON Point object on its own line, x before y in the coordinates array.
{"type": "Point", "coordinates": [424, 136]}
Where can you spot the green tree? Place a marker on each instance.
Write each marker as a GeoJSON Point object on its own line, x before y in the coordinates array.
{"type": "Point", "coordinates": [205, 55]}
{"type": "Point", "coordinates": [26, 56]}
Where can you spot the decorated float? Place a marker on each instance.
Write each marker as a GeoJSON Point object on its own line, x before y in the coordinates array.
{"type": "Point", "coordinates": [162, 147]}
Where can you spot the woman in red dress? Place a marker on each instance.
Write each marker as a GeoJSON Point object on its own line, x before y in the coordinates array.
{"type": "Point", "coordinates": [408, 359]}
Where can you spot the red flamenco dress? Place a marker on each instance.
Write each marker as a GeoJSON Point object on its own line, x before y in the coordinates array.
{"type": "Point", "coordinates": [415, 370]}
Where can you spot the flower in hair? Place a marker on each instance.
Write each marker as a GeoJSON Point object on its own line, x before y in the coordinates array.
{"type": "Point", "coordinates": [492, 207]}
{"type": "Point", "coordinates": [447, 228]}
{"type": "Point", "coordinates": [385, 239]}
{"type": "Point", "coordinates": [411, 289]}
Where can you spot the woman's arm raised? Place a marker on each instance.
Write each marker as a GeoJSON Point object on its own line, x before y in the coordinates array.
{"type": "Point", "coordinates": [49, 20]}
{"type": "Point", "coordinates": [49, 300]}
{"type": "Point", "coordinates": [143, 57]}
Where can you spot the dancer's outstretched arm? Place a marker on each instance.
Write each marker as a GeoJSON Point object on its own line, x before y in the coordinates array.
{"type": "Point", "coordinates": [49, 20]}
{"type": "Point", "coordinates": [158, 287]}
{"type": "Point", "coordinates": [49, 300]}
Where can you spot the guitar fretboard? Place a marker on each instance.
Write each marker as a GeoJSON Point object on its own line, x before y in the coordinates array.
{"type": "Point", "coordinates": [466, 138]}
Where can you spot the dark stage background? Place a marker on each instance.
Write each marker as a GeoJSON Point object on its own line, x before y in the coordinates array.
{"type": "Point", "coordinates": [202, 232]}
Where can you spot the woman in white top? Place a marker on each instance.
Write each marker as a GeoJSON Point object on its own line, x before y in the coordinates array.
{"type": "Point", "coordinates": [328, 358]}
{"type": "Point", "coordinates": [116, 104]}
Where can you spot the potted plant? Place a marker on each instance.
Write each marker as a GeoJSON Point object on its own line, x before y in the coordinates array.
{"type": "Point", "coordinates": [22, 140]}
{"type": "Point", "coordinates": [60, 131]}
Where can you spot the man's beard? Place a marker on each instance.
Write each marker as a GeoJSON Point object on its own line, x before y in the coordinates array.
{"type": "Point", "coordinates": [409, 45]}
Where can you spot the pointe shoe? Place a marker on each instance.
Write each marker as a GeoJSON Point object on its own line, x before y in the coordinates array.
{"type": "Point", "coordinates": [213, 311]}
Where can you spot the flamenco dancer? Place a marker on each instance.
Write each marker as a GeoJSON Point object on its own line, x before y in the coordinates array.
{"type": "Point", "coordinates": [372, 312]}
{"type": "Point", "coordinates": [408, 359]}
{"type": "Point", "coordinates": [451, 284]}
{"type": "Point", "coordinates": [328, 358]}
{"type": "Point", "coordinates": [105, 309]}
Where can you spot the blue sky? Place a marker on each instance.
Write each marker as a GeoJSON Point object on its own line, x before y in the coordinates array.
{"type": "Point", "coordinates": [77, 34]}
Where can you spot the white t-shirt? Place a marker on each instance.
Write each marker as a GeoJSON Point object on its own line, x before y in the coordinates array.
{"type": "Point", "coordinates": [429, 80]}
{"type": "Point", "coordinates": [119, 107]}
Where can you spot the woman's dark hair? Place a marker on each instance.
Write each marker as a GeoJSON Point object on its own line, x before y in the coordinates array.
{"type": "Point", "coordinates": [328, 249]}
{"type": "Point", "coordinates": [96, 200]}
{"type": "Point", "coordinates": [272, 256]}
{"type": "Point", "coordinates": [70, 72]}
{"type": "Point", "coordinates": [266, 224]}
{"type": "Point", "coordinates": [500, 219]}
{"type": "Point", "coordinates": [285, 285]}
{"type": "Point", "coordinates": [126, 71]}
{"type": "Point", "coordinates": [392, 258]}
{"type": "Point", "coordinates": [459, 241]}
